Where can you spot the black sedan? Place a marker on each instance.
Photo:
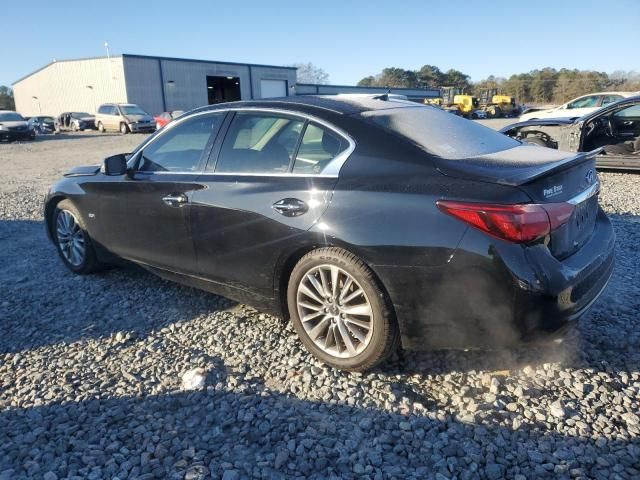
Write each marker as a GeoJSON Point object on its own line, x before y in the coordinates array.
{"type": "Point", "coordinates": [613, 132]}
{"type": "Point", "coordinates": [366, 221]}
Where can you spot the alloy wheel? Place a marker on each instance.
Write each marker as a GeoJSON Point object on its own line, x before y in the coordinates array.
{"type": "Point", "coordinates": [334, 311]}
{"type": "Point", "coordinates": [70, 238]}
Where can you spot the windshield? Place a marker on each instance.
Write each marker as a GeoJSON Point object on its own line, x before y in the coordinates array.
{"type": "Point", "coordinates": [11, 117]}
{"type": "Point", "coordinates": [80, 114]}
{"type": "Point", "coordinates": [132, 110]}
{"type": "Point", "coordinates": [441, 133]}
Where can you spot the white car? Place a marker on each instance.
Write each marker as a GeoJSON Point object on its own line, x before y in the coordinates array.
{"type": "Point", "coordinates": [579, 106]}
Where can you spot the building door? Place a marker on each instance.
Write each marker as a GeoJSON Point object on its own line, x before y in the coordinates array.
{"type": "Point", "coordinates": [273, 88]}
{"type": "Point", "coordinates": [223, 89]}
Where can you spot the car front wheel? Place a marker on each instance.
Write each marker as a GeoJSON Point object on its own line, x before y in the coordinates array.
{"type": "Point", "coordinates": [339, 311]}
{"type": "Point", "coordinates": [101, 128]}
{"type": "Point", "coordinates": [124, 129]}
{"type": "Point", "coordinates": [72, 240]}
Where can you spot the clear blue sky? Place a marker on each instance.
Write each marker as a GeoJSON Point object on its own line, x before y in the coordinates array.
{"type": "Point", "coordinates": [348, 39]}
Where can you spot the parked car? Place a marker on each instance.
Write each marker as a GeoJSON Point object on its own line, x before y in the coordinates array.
{"type": "Point", "coordinates": [74, 121]}
{"type": "Point", "coordinates": [367, 222]}
{"type": "Point", "coordinates": [123, 118]}
{"type": "Point", "coordinates": [577, 107]}
{"type": "Point", "coordinates": [42, 124]}
{"type": "Point", "coordinates": [14, 127]}
{"type": "Point", "coordinates": [165, 117]}
{"type": "Point", "coordinates": [613, 132]}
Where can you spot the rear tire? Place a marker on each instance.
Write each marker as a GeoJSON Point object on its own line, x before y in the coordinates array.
{"type": "Point", "coordinates": [72, 240]}
{"type": "Point", "coordinates": [351, 326]}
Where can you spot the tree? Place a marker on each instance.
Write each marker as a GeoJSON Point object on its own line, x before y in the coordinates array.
{"type": "Point", "coordinates": [309, 73]}
{"type": "Point", "coordinates": [455, 78]}
{"type": "Point", "coordinates": [430, 76]}
{"type": "Point", "coordinates": [369, 81]}
{"type": "Point", "coordinates": [6, 98]}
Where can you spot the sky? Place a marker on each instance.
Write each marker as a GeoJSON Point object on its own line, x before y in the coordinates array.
{"type": "Point", "coordinates": [348, 39]}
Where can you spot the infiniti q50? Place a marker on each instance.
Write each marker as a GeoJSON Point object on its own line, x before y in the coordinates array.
{"type": "Point", "coordinates": [369, 222]}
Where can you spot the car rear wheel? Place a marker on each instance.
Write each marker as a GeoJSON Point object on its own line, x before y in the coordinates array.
{"type": "Point", "coordinates": [73, 241]}
{"type": "Point", "coordinates": [124, 129]}
{"type": "Point", "coordinates": [101, 127]}
{"type": "Point", "coordinates": [339, 311]}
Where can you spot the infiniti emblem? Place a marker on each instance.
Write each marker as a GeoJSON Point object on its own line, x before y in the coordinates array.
{"type": "Point", "coordinates": [589, 176]}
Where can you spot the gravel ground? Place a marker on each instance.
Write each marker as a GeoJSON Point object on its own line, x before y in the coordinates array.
{"type": "Point", "coordinates": [91, 368]}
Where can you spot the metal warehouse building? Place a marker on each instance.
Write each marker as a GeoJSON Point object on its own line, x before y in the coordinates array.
{"type": "Point", "coordinates": [157, 84]}
{"type": "Point", "coordinates": [160, 84]}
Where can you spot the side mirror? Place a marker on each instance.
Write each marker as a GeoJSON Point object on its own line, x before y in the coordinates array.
{"type": "Point", "coordinates": [115, 165]}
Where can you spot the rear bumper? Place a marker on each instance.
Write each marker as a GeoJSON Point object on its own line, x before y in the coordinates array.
{"type": "Point", "coordinates": [494, 294]}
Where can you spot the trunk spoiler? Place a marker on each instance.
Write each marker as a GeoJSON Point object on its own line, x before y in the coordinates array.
{"type": "Point", "coordinates": [565, 164]}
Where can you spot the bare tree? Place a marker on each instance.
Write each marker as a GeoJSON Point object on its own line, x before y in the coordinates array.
{"type": "Point", "coordinates": [309, 73]}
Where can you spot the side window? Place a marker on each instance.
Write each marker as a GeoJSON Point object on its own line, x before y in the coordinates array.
{"type": "Point", "coordinates": [259, 143]}
{"type": "Point", "coordinates": [610, 99]}
{"type": "Point", "coordinates": [180, 148]}
{"type": "Point", "coordinates": [585, 102]}
{"type": "Point", "coordinates": [103, 109]}
{"type": "Point", "coordinates": [319, 146]}
{"type": "Point", "coordinates": [629, 112]}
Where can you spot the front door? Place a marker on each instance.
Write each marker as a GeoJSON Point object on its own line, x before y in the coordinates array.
{"type": "Point", "coordinates": [148, 210]}
{"type": "Point", "coordinates": [266, 190]}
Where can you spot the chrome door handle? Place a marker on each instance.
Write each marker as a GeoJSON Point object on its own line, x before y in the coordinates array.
{"type": "Point", "coordinates": [175, 200]}
{"type": "Point", "coordinates": [290, 207]}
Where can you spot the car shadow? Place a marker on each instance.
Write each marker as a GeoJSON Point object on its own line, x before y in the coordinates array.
{"type": "Point", "coordinates": [239, 425]}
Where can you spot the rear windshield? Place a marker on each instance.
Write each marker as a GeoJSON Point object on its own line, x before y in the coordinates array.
{"type": "Point", "coordinates": [441, 133]}
{"type": "Point", "coordinates": [11, 117]}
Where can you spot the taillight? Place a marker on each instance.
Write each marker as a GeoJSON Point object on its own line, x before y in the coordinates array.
{"type": "Point", "coordinates": [518, 223]}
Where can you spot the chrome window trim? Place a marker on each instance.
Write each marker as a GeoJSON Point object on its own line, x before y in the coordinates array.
{"type": "Point", "coordinates": [331, 170]}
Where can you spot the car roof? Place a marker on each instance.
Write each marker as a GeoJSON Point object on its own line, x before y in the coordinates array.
{"type": "Point", "coordinates": [342, 104]}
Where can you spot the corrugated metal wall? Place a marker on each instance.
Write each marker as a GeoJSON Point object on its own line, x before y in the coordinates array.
{"type": "Point", "coordinates": [185, 81]}
{"type": "Point", "coordinates": [63, 86]}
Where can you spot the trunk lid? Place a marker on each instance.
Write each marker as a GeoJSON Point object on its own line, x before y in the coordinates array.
{"type": "Point", "coordinates": [546, 176]}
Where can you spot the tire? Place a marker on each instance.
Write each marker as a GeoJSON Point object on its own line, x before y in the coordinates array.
{"type": "Point", "coordinates": [101, 127]}
{"type": "Point", "coordinates": [368, 346]}
{"type": "Point", "coordinates": [124, 129]}
{"type": "Point", "coordinates": [74, 127]}
{"type": "Point", "coordinates": [60, 228]}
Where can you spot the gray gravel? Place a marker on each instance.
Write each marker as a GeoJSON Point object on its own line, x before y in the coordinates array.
{"type": "Point", "coordinates": [91, 371]}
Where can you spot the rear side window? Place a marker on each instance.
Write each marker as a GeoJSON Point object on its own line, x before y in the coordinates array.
{"type": "Point", "coordinates": [440, 133]}
{"type": "Point", "coordinates": [318, 147]}
{"type": "Point", "coordinates": [259, 143]}
{"type": "Point", "coordinates": [103, 109]}
{"type": "Point", "coordinates": [607, 99]}
{"type": "Point", "coordinates": [180, 148]}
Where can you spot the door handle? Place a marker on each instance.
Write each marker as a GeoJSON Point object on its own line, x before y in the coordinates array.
{"type": "Point", "coordinates": [175, 200]}
{"type": "Point", "coordinates": [290, 207]}
{"type": "Point", "coordinates": [628, 123]}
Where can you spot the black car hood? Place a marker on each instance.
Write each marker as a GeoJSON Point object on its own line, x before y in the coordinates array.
{"type": "Point", "coordinates": [516, 166]}
{"type": "Point", "coordinates": [84, 170]}
{"type": "Point", "coordinates": [545, 122]}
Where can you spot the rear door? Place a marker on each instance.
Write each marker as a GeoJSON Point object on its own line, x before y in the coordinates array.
{"type": "Point", "coordinates": [267, 184]}
{"type": "Point", "coordinates": [144, 215]}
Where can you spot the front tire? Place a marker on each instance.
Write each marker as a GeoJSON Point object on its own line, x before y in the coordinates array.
{"type": "Point", "coordinates": [72, 239]}
{"type": "Point", "coordinates": [124, 129]}
{"type": "Point", "coordinates": [101, 128]}
{"type": "Point", "coordinates": [339, 310]}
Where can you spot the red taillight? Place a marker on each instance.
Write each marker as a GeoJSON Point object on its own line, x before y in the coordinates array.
{"type": "Point", "coordinates": [519, 223]}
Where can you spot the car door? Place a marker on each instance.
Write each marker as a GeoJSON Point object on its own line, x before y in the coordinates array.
{"type": "Point", "coordinates": [144, 215]}
{"type": "Point", "coordinates": [626, 122]}
{"type": "Point", "coordinates": [267, 184]}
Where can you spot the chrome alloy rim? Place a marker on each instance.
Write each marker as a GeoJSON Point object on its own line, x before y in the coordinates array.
{"type": "Point", "coordinates": [335, 312]}
{"type": "Point", "coordinates": [70, 238]}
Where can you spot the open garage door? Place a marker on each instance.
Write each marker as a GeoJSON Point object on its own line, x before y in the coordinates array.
{"type": "Point", "coordinates": [273, 88]}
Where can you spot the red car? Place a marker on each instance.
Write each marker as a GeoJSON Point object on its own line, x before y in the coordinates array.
{"type": "Point", "coordinates": [165, 117]}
